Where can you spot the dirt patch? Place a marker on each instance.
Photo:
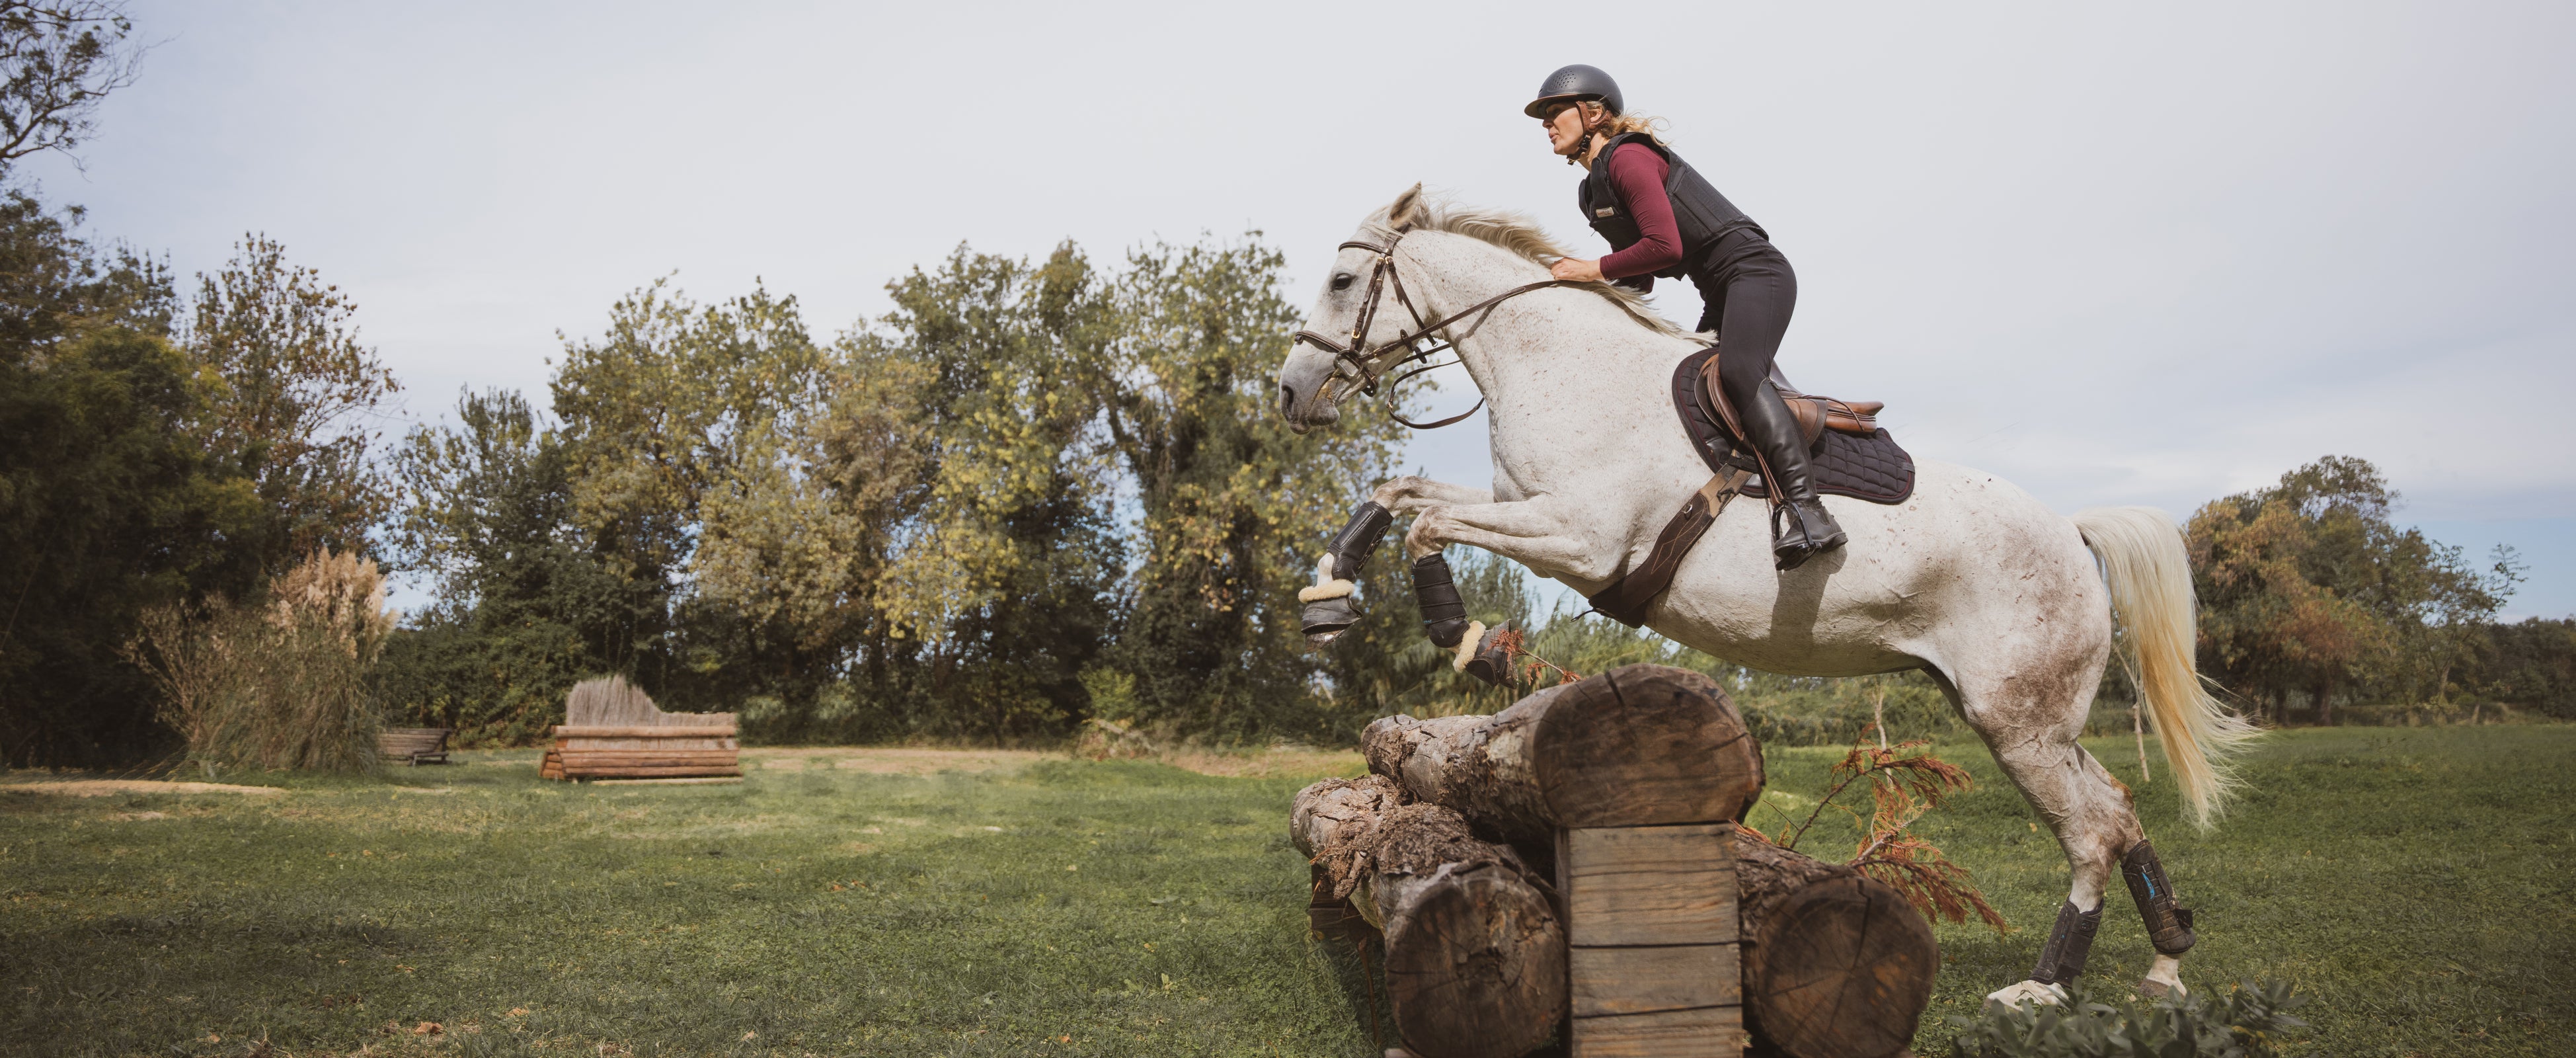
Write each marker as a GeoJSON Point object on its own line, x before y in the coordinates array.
{"type": "Point", "coordinates": [1285, 762]}
{"type": "Point", "coordinates": [109, 787]}
{"type": "Point", "coordinates": [1271, 763]}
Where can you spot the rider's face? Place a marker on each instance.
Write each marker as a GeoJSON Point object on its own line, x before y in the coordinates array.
{"type": "Point", "coordinates": [1564, 125]}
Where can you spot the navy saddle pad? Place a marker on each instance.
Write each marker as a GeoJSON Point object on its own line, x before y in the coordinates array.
{"type": "Point", "coordinates": [1869, 468]}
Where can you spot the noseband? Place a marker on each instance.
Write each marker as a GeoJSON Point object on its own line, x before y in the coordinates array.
{"type": "Point", "coordinates": [1363, 358]}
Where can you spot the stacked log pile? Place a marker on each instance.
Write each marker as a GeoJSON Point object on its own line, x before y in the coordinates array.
{"type": "Point", "coordinates": [1682, 935]}
{"type": "Point", "coordinates": [1474, 956]}
{"type": "Point", "coordinates": [612, 730]}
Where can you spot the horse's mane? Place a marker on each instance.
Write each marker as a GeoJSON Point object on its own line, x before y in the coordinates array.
{"type": "Point", "coordinates": [1516, 232]}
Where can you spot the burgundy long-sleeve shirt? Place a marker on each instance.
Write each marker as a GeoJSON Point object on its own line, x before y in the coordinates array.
{"type": "Point", "coordinates": [1639, 173]}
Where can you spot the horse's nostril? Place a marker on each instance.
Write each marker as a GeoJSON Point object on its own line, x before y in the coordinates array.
{"type": "Point", "coordinates": [1287, 399]}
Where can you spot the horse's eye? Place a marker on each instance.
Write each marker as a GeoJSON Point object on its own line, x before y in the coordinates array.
{"type": "Point", "coordinates": [1343, 281]}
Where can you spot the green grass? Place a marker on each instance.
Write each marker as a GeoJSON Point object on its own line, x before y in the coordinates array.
{"type": "Point", "coordinates": [2413, 880]}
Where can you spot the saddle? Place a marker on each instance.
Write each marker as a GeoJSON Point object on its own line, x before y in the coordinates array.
{"type": "Point", "coordinates": [1848, 455]}
{"type": "Point", "coordinates": [1815, 415]}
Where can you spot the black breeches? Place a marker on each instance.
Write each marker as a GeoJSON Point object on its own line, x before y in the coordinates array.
{"type": "Point", "coordinates": [1750, 294]}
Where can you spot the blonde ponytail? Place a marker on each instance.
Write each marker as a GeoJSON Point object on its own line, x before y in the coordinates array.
{"type": "Point", "coordinates": [1616, 125]}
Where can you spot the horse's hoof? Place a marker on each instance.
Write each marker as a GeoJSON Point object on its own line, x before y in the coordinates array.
{"type": "Point", "coordinates": [2164, 978]}
{"type": "Point", "coordinates": [1491, 660]}
{"type": "Point", "coordinates": [1325, 619]}
{"type": "Point", "coordinates": [2027, 993]}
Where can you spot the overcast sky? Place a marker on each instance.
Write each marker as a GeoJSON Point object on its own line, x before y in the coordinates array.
{"type": "Point", "coordinates": [2143, 255]}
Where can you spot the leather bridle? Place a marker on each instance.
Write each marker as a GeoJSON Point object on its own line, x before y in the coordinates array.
{"type": "Point", "coordinates": [1362, 358]}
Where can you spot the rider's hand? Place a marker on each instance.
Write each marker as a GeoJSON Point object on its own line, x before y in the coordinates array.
{"type": "Point", "coordinates": [1577, 269]}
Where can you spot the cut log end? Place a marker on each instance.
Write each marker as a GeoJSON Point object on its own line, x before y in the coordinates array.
{"type": "Point", "coordinates": [1644, 745]}
{"type": "Point", "coordinates": [1843, 967]}
{"type": "Point", "coordinates": [1475, 953]}
{"type": "Point", "coordinates": [1476, 966]}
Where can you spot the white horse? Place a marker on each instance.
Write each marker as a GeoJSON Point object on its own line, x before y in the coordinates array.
{"type": "Point", "coordinates": [1970, 580]}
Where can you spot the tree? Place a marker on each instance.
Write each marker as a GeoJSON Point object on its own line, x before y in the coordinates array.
{"type": "Point", "coordinates": [57, 61]}
{"type": "Point", "coordinates": [1233, 507]}
{"type": "Point", "coordinates": [1004, 584]}
{"type": "Point", "coordinates": [523, 609]}
{"type": "Point", "coordinates": [2307, 586]}
{"type": "Point", "coordinates": [298, 396]}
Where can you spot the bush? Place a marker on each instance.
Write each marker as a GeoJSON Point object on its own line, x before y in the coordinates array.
{"type": "Point", "coordinates": [280, 686]}
{"type": "Point", "coordinates": [2250, 1021]}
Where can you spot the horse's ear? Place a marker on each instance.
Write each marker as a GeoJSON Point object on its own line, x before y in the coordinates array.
{"type": "Point", "coordinates": [1407, 209]}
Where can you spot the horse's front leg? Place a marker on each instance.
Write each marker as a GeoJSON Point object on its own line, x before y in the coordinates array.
{"type": "Point", "coordinates": [1331, 604]}
{"type": "Point", "coordinates": [1539, 533]}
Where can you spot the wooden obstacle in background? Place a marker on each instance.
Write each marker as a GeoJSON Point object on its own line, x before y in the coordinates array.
{"type": "Point", "coordinates": [1683, 936]}
{"type": "Point", "coordinates": [414, 745]}
{"type": "Point", "coordinates": [612, 730]}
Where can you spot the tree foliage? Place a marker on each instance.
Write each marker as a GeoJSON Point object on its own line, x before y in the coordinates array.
{"type": "Point", "coordinates": [57, 61]}
{"type": "Point", "coordinates": [2307, 587]}
{"type": "Point", "coordinates": [297, 399]}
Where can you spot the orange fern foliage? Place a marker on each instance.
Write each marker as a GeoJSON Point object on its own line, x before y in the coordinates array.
{"type": "Point", "coordinates": [1905, 781]}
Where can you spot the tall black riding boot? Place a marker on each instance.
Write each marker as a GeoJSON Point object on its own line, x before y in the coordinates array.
{"type": "Point", "coordinates": [1800, 528]}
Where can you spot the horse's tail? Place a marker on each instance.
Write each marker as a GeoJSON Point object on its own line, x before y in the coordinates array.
{"type": "Point", "coordinates": [2150, 577]}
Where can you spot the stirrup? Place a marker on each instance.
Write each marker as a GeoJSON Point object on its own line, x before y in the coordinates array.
{"type": "Point", "coordinates": [1815, 533]}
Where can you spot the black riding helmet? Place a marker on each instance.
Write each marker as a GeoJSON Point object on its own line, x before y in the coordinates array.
{"type": "Point", "coordinates": [1575, 83]}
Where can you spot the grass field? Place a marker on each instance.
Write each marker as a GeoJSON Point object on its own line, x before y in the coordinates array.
{"type": "Point", "coordinates": [2411, 879]}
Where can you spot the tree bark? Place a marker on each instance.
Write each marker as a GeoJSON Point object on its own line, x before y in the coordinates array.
{"type": "Point", "coordinates": [1475, 955]}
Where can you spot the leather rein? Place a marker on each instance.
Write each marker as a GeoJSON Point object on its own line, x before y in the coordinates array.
{"type": "Point", "coordinates": [1362, 358]}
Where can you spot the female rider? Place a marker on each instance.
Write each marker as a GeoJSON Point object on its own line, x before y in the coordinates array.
{"type": "Point", "coordinates": [1662, 219]}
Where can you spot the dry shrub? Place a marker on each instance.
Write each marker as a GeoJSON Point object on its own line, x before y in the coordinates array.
{"type": "Point", "coordinates": [1905, 782]}
{"type": "Point", "coordinates": [1104, 739]}
{"type": "Point", "coordinates": [277, 686]}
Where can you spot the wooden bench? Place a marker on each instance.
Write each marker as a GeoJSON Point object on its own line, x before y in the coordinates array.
{"type": "Point", "coordinates": [414, 746]}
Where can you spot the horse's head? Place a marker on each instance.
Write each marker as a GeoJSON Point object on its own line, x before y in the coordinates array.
{"type": "Point", "coordinates": [1357, 312]}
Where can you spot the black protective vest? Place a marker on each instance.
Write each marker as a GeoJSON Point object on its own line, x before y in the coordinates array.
{"type": "Point", "coordinates": [1703, 215]}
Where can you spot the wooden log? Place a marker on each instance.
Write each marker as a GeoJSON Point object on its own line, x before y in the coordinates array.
{"type": "Point", "coordinates": [715, 730]}
{"type": "Point", "coordinates": [1639, 745]}
{"type": "Point", "coordinates": [646, 772]}
{"type": "Point", "coordinates": [1475, 958]}
{"type": "Point", "coordinates": [1836, 964]}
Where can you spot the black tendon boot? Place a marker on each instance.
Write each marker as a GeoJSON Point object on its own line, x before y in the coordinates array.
{"type": "Point", "coordinates": [1330, 603]}
{"type": "Point", "coordinates": [1444, 614]}
{"type": "Point", "coordinates": [1800, 528]}
{"type": "Point", "coordinates": [2168, 926]}
{"type": "Point", "coordinates": [2069, 942]}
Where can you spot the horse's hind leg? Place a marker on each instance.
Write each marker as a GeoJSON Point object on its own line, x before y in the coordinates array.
{"type": "Point", "coordinates": [2032, 733]}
